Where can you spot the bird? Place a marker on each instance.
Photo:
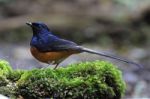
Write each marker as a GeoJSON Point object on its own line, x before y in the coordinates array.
{"type": "Point", "coordinates": [51, 49]}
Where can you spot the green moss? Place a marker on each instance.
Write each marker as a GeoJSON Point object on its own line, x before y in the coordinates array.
{"type": "Point", "coordinates": [15, 75]}
{"type": "Point", "coordinates": [92, 80]}
{"type": "Point", "coordinates": [4, 68]}
{"type": "Point", "coordinates": [6, 86]}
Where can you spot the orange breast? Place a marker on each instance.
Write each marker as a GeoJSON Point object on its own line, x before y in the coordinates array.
{"type": "Point", "coordinates": [50, 56]}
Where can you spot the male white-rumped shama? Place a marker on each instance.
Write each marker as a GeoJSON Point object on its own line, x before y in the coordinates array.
{"type": "Point", "coordinates": [49, 48]}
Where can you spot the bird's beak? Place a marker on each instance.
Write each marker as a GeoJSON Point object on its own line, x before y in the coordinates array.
{"type": "Point", "coordinates": [29, 23]}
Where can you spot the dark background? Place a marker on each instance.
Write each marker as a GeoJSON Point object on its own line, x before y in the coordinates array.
{"type": "Point", "coordinates": [118, 26]}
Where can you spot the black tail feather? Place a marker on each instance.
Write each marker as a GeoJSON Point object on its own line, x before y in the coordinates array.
{"type": "Point", "coordinates": [111, 56]}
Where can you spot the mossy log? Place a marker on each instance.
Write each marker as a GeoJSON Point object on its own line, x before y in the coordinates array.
{"type": "Point", "coordinates": [87, 80]}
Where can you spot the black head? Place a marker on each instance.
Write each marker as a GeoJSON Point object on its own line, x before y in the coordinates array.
{"type": "Point", "coordinates": [38, 26]}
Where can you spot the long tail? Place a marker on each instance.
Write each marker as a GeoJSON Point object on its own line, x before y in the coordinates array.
{"type": "Point", "coordinates": [111, 56]}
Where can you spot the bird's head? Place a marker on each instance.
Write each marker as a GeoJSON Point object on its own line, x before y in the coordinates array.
{"type": "Point", "coordinates": [38, 27]}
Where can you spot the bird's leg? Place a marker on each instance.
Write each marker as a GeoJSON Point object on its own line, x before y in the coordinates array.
{"type": "Point", "coordinates": [50, 63]}
{"type": "Point", "coordinates": [56, 65]}
{"type": "Point", "coordinates": [58, 62]}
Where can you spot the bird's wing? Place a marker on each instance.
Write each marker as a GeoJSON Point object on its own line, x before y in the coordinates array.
{"type": "Point", "coordinates": [60, 45]}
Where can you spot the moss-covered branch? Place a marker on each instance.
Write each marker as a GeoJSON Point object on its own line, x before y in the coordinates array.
{"type": "Point", "coordinates": [88, 80]}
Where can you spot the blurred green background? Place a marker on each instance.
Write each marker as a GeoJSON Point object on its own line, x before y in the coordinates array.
{"type": "Point", "coordinates": [118, 26]}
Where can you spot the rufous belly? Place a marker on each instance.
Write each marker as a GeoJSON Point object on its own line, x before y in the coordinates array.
{"type": "Point", "coordinates": [47, 57]}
